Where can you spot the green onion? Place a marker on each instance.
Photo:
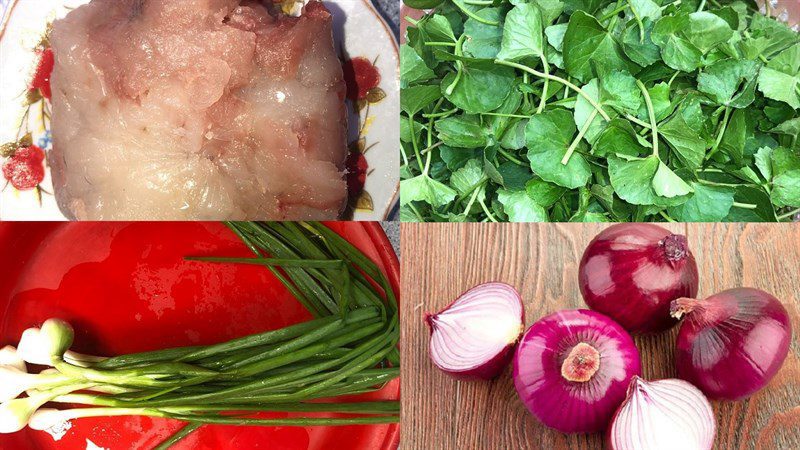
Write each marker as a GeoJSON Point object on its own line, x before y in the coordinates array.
{"type": "Point", "coordinates": [348, 348]}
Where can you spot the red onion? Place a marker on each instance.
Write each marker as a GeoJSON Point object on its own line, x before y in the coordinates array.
{"type": "Point", "coordinates": [475, 335]}
{"type": "Point", "coordinates": [572, 369]}
{"type": "Point", "coordinates": [731, 344]}
{"type": "Point", "coordinates": [662, 415]}
{"type": "Point", "coordinates": [631, 272]}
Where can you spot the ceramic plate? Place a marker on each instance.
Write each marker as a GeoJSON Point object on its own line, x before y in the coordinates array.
{"type": "Point", "coordinates": [359, 31]}
{"type": "Point", "coordinates": [127, 288]}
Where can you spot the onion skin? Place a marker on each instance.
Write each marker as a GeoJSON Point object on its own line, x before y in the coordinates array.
{"type": "Point", "coordinates": [631, 273]}
{"type": "Point", "coordinates": [731, 344]}
{"type": "Point", "coordinates": [574, 406]}
{"type": "Point", "coordinates": [662, 415]}
{"type": "Point", "coordinates": [494, 366]}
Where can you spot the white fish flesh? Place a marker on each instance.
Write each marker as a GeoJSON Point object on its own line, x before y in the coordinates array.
{"type": "Point", "coordinates": [197, 109]}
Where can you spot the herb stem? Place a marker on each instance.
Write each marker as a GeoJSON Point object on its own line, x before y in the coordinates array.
{"type": "Point", "coordinates": [714, 183]}
{"type": "Point", "coordinates": [614, 12]}
{"type": "Point", "coordinates": [674, 76]}
{"type": "Point", "coordinates": [472, 15]}
{"type": "Point", "coordinates": [543, 99]}
{"type": "Point", "coordinates": [459, 65]}
{"type": "Point", "coordinates": [430, 122]}
{"type": "Point", "coordinates": [564, 101]}
{"type": "Point", "coordinates": [789, 214]}
{"type": "Point", "coordinates": [526, 95]}
{"type": "Point", "coordinates": [472, 189]}
{"type": "Point", "coordinates": [577, 140]}
{"type": "Point", "coordinates": [428, 149]}
{"type": "Point", "coordinates": [677, 3]}
{"type": "Point", "coordinates": [666, 217]}
{"type": "Point", "coordinates": [414, 142]}
{"type": "Point", "coordinates": [636, 120]}
{"type": "Point", "coordinates": [720, 134]}
{"type": "Point", "coordinates": [651, 112]}
{"type": "Point", "coordinates": [427, 163]}
{"type": "Point", "coordinates": [474, 196]}
{"type": "Point", "coordinates": [745, 205]}
{"type": "Point", "coordinates": [515, 116]}
{"type": "Point", "coordinates": [486, 210]}
{"type": "Point", "coordinates": [403, 154]}
{"type": "Point", "coordinates": [638, 21]}
{"type": "Point", "coordinates": [703, 5]}
{"type": "Point", "coordinates": [440, 115]}
{"type": "Point", "coordinates": [559, 80]}
{"type": "Point", "coordinates": [510, 157]}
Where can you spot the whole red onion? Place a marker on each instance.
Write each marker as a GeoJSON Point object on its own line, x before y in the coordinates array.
{"type": "Point", "coordinates": [475, 335]}
{"type": "Point", "coordinates": [572, 369]}
{"type": "Point", "coordinates": [731, 344]}
{"type": "Point", "coordinates": [631, 273]}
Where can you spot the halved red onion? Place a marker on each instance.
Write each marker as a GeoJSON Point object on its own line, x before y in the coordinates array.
{"type": "Point", "coordinates": [631, 272]}
{"type": "Point", "coordinates": [572, 369]}
{"type": "Point", "coordinates": [474, 336]}
{"type": "Point", "coordinates": [662, 415]}
{"type": "Point", "coordinates": [731, 344]}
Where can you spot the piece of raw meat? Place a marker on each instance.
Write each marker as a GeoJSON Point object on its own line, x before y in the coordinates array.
{"type": "Point", "coordinates": [197, 109]}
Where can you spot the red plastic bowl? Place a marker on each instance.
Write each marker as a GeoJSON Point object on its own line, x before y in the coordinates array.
{"type": "Point", "coordinates": [126, 288]}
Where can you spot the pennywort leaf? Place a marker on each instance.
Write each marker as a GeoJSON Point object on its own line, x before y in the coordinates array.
{"type": "Point", "coordinates": [780, 80]}
{"type": "Point", "coordinates": [462, 131]}
{"type": "Point", "coordinates": [417, 97]}
{"type": "Point", "coordinates": [481, 89]}
{"type": "Point", "coordinates": [422, 188]}
{"type": "Point", "coordinates": [520, 207]}
{"type": "Point", "coordinates": [412, 67]}
{"type": "Point", "coordinates": [586, 42]}
{"type": "Point", "coordinates": [548, 135]}
{"type": "Point", "coordinates": [522, 34]}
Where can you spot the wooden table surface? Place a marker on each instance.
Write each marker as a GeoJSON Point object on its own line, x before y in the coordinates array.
{"type": "Point", "coordinates": [440, 261]}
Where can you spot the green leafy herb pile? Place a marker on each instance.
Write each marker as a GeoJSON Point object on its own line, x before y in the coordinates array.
{"type": "Point", "coordinates": [598, 110]}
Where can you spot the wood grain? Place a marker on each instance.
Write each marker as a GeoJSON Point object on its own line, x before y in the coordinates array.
{"type": "Point", "coordinates": [440, 261]}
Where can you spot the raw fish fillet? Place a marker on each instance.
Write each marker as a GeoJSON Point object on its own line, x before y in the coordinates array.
{"type": "Point", "coordinates": [197, 109]}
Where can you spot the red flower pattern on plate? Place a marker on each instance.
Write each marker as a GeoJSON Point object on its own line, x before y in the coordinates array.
{"type": "Point", "coordinates": [357, 167]}
{"type": "Point", "coordinates": [361, 77]}
{"type": "Point", "coordinates": [25, 168]}
{"type": "Point", "coordinates": [44, 68]}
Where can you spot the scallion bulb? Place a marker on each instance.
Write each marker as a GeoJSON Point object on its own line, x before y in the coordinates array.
{"type": "Point", "coordinates": [15, 414]}
{"type": "Point", "coordinates": [9, 357]}
{"type": "Point", "coordinates": [47, 418]}
{"type": "Point", "coordinates": [42, 345]}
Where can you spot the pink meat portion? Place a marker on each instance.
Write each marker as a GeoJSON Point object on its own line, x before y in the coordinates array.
{"type": "Point", "coordinates": [197, 109]}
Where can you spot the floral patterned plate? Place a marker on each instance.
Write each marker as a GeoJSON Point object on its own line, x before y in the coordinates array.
{"type": "Point", "coordinates": [371, 65]}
